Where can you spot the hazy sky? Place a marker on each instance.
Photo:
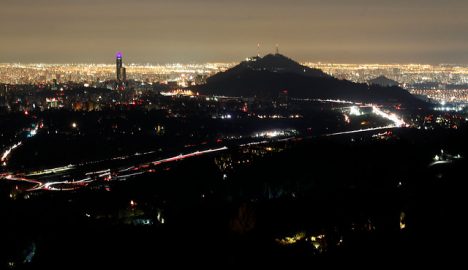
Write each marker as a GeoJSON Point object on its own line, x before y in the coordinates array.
{"type": "Point", "coordinates": [161, 31]}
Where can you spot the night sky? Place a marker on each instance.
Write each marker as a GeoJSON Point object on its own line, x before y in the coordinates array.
{"type": "Point", "coordinates": [162, 31]}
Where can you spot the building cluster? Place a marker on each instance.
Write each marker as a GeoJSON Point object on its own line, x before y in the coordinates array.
{"type": "Point", "coordinates": [441, 83]}
{"type": "Point", "coordinates": [37, 74]}
{"type": "Point", "coordinates": [118, 91]}
{"type": "Point", "coordinates": [438, 83]}
{"type": "Point", "coordinates": [405, 74]}
{"type": "Point", "coordinates": [443, 95]}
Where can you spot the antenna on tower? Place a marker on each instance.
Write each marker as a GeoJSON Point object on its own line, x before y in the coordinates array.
{"type": "Point", "coordinates": [258, 49]}
{"type": "Point", "coordinates": [277, 48]}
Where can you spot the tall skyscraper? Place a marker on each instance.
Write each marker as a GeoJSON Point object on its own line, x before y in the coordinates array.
{"type": "Point", "coordinates": [119, 66]}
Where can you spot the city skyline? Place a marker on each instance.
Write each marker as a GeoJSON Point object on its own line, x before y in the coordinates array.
{"type": "Point", "coordinates": [226, 134]}
{"type": "Point", "coordinates": [182, 31]}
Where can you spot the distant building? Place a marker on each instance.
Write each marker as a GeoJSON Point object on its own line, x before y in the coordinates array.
{"type": "Point", "coordinates": [121, 72]}
{"type": "Point", "coordinates": [120, 69]}
{"type": "Point", "coordinates": [383, 81]}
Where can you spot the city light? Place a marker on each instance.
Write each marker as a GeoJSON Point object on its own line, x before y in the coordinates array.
{"type": "Point", "coordinates": [354, 110]}
{"type": "Point", "coordinates": [347, 118]}
{"type": "Point", "coordinates": [402, 221]}
{"type": "Point", "coordinates": [398, 122]}
{"type": "Point", "coordinates": [164, 157]}
{"type": "Point", "coordinates": [8, 152]}
{"type": "Point", "coordinates": [178, 92]}
{"type": "Point", "coordinates": [100, 73]}
{"type": "Point", "coordinates": [275, 133]}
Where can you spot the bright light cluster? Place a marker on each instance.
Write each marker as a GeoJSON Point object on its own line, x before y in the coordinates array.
{"type": "Point", "coordinates": [8, 151]}
{"type": "Point", "coordinates": [179, 92]}
{"type": "Point", "coordinates": [355, 111]}
{"type": "Point", "coordinates": [398, 122]}
{"type": "Point", "coordinates": [275, 133]}
{"type": "Point", "coordinates": [450, 108]}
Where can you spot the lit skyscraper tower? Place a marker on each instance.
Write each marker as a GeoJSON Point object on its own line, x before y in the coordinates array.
{"type": "Point", "coordinates": [119, 67]}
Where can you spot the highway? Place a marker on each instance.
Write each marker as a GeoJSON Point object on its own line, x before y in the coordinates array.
{"type": "Point", "coordinates": [93, 176]}
{"type": "Point", "coordinates": [360, 130]}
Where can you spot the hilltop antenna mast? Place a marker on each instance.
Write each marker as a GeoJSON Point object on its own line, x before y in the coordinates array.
{"type": "Point", "coordinates": [277, 48]}
{"type": "Point", "coordinates": [258, 49]}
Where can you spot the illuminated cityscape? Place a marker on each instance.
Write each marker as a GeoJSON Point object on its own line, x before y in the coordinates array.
{"type": "Point", "coordinates": [91, 73]}
{"type": "Point", "coordinates": [164, 123]}
{"type": "Point", "coordinates": [232, 153]}
{"type": "Point", "coordinates": [441, 83]}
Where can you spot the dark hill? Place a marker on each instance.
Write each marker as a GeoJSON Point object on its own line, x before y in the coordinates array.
{"type": "Point", "coordinates": [383, 81]}
{"type": "Point", "coordinates": [278, 63]}
{"type": "Point", "coordinates": [268, 76]}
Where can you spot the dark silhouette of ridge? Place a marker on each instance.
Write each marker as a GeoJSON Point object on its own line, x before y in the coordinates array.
{"type": "Point", "coordinates": [266, 77]}
{"type": "Point", "coordinates": [383, 81]}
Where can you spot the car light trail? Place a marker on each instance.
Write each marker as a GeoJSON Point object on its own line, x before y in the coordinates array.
{"type": "Point", "coordinates": [95, 175]}
{"type": "Point", "coordinates": [8, 152]}
{"type": "Point", "coordinates": [360, 130]}
{"type": "Point", "coordinates": [53, 170]}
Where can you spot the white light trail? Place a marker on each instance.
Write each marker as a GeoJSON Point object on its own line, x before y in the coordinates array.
{"type": "Point", "coordinates": [74, 185]}
{"type": "Point", "coordinates": [8, 151]}
{"type": "Point", "coordinates": [53, 170]}
{"type": "Point", "coordinates": [359, 130]}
